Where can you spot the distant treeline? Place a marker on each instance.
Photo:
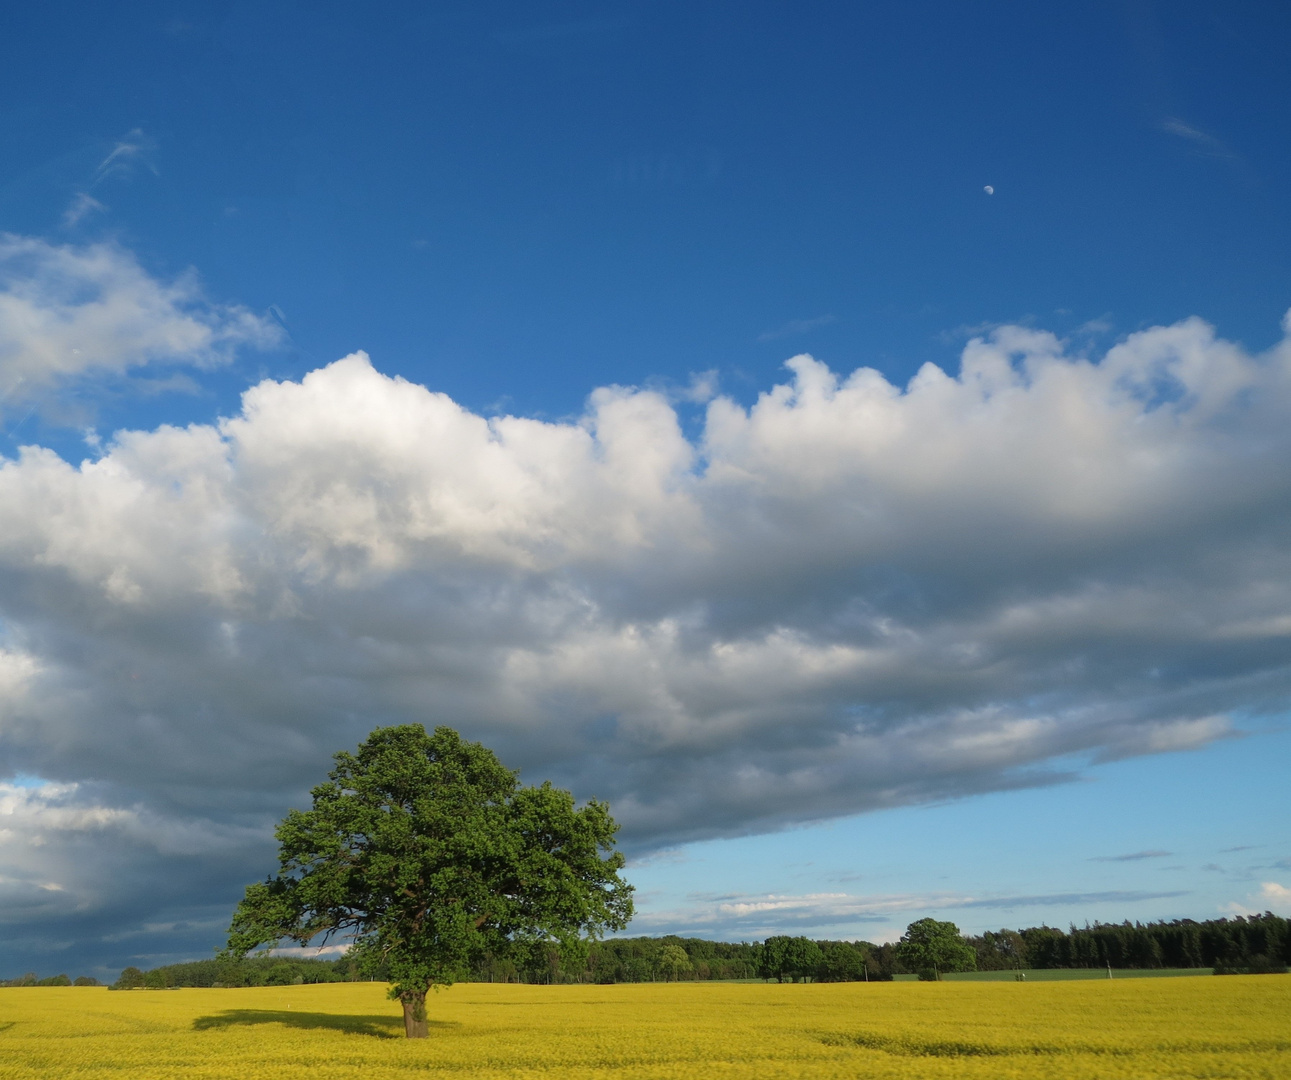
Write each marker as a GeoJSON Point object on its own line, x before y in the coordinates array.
{"type": "Point", "coordinates": [1253, 943]}
{"type": "Point", "coordinates": [617, 960]}
{"type": "Point", "coordinates": [1257, 943]}
{"type": "Point", "coordinates": [672, 958]}
{"type": "Point", "coordinates": [252, 971]}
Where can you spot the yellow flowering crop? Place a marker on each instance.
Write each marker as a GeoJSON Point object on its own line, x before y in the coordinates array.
{"type": "Point", "coordinates": [1137, 1029]}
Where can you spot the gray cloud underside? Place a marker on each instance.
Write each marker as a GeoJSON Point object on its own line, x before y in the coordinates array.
{"type": "Point", "coordinates": [850, 595]}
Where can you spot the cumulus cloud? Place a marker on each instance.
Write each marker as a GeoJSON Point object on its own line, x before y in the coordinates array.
{"type": "Point", "coordinates": [848, 595]}
{"type": "Point", "coordinates": [1273, 896]}
{"type": "Point", "coordinates": [68, 312]}
{"type": "Point", "coordinates": [1274, 893]}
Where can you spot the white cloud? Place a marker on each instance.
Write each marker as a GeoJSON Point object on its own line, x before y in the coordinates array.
{"type": "Point", "coordinates": [849, 595]}
{"type": "Point", "coordinates": [1201, 142]}
{"type": "Point", "coordinates": [68, 312]}
{"type": "Point", "coordinates": [81, 206]}
{"type": "Point", "coordinates": [133, 149]}
{"type": "Point", "coordinates": [1272, 896]}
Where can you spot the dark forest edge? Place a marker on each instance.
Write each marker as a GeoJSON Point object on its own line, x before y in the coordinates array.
{"type": "Point", "coordinates": [1253, 944]}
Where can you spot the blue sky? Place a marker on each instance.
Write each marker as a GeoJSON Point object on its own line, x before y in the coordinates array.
{"type": "Point", "coordinates": [1161, 837]}
{"type": "Point", "coordinates": [872, 647]}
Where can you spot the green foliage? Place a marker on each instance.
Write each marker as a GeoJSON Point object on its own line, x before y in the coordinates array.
{"type": "Point", "coordinates": [641, 960]}
{"type": "Point", "coordinates": [846, 961]}
{"type": "Point", "coordinates": [795, 958]}
{"type": "Point", "coordinates": [1004, 950]}
{"type": "Point", "coordinates": [646, 959]}
{"type": "Point", "coordinates": [1229, 944]}
{"type": "Point", "coordinates": [130, 979]}
{"type": "Point", "coordinates": [232, 972]}
{"type": "Point", "coordinates": [31, 979]}
{"type": "Point", "coordinates": [1243, 945]}
{"type": "Point", "coordinates": [426, 850]}
{"type": "Point", "coordinates": [930, 947]}
{"type": "Point", "coordinates": [673, 962]}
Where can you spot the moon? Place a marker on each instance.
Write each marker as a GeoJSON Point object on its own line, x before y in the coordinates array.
{"type": "Point", "coordinates": [989, 190]}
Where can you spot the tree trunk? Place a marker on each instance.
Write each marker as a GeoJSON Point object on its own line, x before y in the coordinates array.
{"type": "Point", "coordinates": [414, 1014]}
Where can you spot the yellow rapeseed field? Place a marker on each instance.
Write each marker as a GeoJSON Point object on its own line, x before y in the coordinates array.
{"type": "Point", "coordinates": [1136, 1028]}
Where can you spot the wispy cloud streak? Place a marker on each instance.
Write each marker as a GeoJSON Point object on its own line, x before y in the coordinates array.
{"type": "Point", "coordinates": [1135, 856]}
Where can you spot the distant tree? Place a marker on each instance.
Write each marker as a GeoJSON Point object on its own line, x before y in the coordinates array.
{"type": "Point", "coordinates": [1046, 947]}
{"type": "Point", "coordinates": [771, 962]}
{"type": "Point", "coordinates": [784, 957]}
{"type": "Point", "coordinates": [999, 951]}
{"type": "Point", "coordinates": [636, 969]}
{"type": "Point", "coordinates": [841, 961]}
{"type": "Point", "coordinates": [673, 962]}
{"type": "Point", "coordinates": [55, 980]}
{"type": "Point", "coordinates": [880, 961]}
{"type": "Point", "coordinates": [131, 979]}
{"type": "Point", "coordinates": [156, 979]}
{"type": "Point", "coordinates": [282, 973]}
{"type": "Point", "coordinates": [86, 980]}
{"type": "Point", "coordinates": [931, 948]}
{"type": "Point", "coordinates": [426, 849]}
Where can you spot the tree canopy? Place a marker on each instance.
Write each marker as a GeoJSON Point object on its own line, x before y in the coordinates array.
{"type": "Point", "coordinates": [931, 947]}
{"type": "Point", "coordinates": [427, 851]}
{"type": "Point", "coordinates": [785, 957]}
{"type": "Point", "coordinates": [673, 961]}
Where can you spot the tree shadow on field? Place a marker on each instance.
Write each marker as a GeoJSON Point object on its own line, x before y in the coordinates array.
{"type": "Point", "coordinates": [379, 1026]}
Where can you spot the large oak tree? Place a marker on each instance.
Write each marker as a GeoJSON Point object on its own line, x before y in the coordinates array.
{"type": "Point", "coordinates": [427, 851]}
